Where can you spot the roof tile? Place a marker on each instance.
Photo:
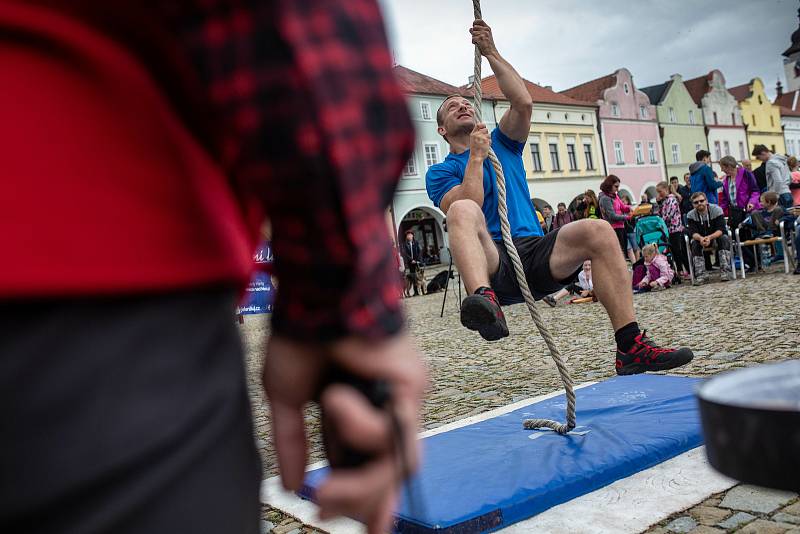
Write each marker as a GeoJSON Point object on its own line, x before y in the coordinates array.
{"type": "Point", "coordinates": [412, 81]}
{"type": "Point", "coordinates": [491, 89]}
{"type": "Point", "coordinates": [591, 91]}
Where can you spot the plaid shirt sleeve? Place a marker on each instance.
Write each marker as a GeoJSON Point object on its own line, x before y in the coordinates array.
{"type": "Point", "coordinates": [317, 133]}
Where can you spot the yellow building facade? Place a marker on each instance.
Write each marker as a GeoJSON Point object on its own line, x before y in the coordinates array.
{"type": "Point", "coordinates": [761, 117]}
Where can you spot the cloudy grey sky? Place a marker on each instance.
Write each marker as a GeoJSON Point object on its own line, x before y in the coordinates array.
{"type": "Point", "coordinates": [566, 42]}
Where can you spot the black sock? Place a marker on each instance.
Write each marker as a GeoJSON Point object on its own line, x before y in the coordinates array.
{"type": "Point", "coordinates": [626, 335]}
{"type": "Point", "coordinates": [483, 289]}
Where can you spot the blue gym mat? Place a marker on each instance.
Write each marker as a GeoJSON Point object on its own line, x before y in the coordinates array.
{"type": "Point", "coordinates": [493, 473]}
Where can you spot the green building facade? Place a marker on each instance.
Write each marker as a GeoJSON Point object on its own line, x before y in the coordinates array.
{"type": "Point", "coordinates": [680, 123]}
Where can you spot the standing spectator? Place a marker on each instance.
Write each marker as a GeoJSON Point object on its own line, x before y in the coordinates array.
{"type": "Point", "coordinates": [747, 164]}
{"type": "Point", "coordinates": [614, 210]}
{"type": "Point", "coordinates": [702, 177]}
{"type": "Point", "coordinates": [632, 247]}
{"type": "Point", "coordinates": [562, 217]}
{"type": "Point", "coordinates": [412, 256]}
{"type": "Point", "coordinates": [592, 208]}
{"type": "Point", "coordinates": [547, 219]}
{"type": "Point", "coordinates": [685, 191]}
{"type": "Point", "coordinates": [740, 194]}
{"type": "Point", "coordinates": [670, 211]}
{"type": "Point", "coordinates": [794, 186]}
{"type": "Point", "coordinates": [777, 172]}
{"type": "Point", "coordinates": [706, 227]}
{"type": "Point", "coordinates": [674, 186]}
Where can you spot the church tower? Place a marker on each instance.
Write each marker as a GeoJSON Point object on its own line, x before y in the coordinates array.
{"type": "Point", "coordinates": [791, 62]}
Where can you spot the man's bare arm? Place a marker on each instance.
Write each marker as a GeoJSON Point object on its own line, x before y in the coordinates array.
{"type": "Point", "coordinates": [471, 188]}
{"type": "Point", "coordinates": [516, 123]}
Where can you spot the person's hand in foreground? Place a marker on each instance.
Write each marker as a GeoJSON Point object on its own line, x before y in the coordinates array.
{"type": "Point", "coordinates": [292, 372]}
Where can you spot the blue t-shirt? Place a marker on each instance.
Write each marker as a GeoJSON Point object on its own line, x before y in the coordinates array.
{"type": "Point", "coordinates": [443, 176]}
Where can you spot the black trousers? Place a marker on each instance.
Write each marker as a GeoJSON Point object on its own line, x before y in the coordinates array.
{"type": "Point", "coordinates": [678, 247]}
{"type": "Point", "coordinates": [622, 238]}
{"type": "Point", "coordinates": [125, 415]}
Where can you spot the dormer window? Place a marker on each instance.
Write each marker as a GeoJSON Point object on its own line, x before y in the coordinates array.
{"type": "Point", "coordinates": [626, 88]}
{"type": "Point", "coordinates": [615, 109]}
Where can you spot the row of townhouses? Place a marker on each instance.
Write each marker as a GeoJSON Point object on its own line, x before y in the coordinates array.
{"type": "Point", "coordinates": [604, 126]}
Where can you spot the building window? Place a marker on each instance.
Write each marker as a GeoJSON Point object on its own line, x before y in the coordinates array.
{"type": "Point", "coordinates": [727, 147]}
{"type": "Point", "coordinates": [583, 118]}
{"type": "Point", "coordinates": [715, 118]}
{"type": "Point", "coordinates": [626, 88]}
{"type": "Point", "coordinates": [697, 147]}
{"type": "Point", "coordinates": [760, 101]}
{"type": "Point", "coordinates": [619, 154]}
{"type": "Point", "coordinates": [411, 166]}
{"type": "Point", "coordinates": [691, 116]}
{"type": "Point", "coordinates": [566, 116]}
{"type": "Point", "coordinates": [638, 152]}
{"type": "Point", "coordinates": [554, 157]}
{"type": "Point", "coordinates": [773, 149]}
{"type": "Point", "coordinates": [717, 151]}
{"type": "Point", "coordinates": [431, 154]}
{"type": "Point", "coordinates": [651, 151]}
{"type": "Point", "coordinates": [536, 157]}
{"type": "Point", "coordinates": [754, 120]}
{"type": "Point", "coordinates": [643, 112]}
{"type": "Point", "coordinates": [615, 109]}
{"type": "Point", "coordinates": [672, 115]}
{"type": "Point", "coordinates": [548, 114]}
{"type": "Point", "coordinates": [425, 111]}
{"type": "Point", "coordinates": [772, 121]}
{"type": "Point", "coordinates": [676, 153]}
{"type": "Point", "coordinates": [733, 118]}
{"type": "Point", "coordinates": [573, 158]}
{"type": "Point", "coordinates": [741, 151]}
{"type": "Point", "coordinates": [587, 153]}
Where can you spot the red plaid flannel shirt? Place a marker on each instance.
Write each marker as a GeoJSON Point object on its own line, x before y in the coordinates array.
{"type": "Point", "coordinates": [317, 132]}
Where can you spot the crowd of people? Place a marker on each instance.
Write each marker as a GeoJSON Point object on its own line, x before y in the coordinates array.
{"type": "Point", "coordinates": [708, 208]}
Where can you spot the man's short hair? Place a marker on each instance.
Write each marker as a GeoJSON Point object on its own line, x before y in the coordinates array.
{"type": "Point", "coordinates": [759, 149]}
{"type": "Point", "coordinates": [440, 111]}
{"type": "Point", "coordinates": [697, 195]}
{"type": "Point", "coordinates": [673, 178]}
{"type": "Point", "coordinates": [663, 185]}
{"type": "Point", "coordinates": [409, 232]}
{"type": "Point", "coordinates": [702, 154]}
{"type": "Point", "coordinates": [770, 197]}
{"type": "Point", "coordinates": [728, 161]}
{"type": "Point", "coordinates": [561, 204]}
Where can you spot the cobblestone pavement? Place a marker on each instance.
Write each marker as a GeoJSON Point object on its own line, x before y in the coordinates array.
{"type": "Point", "coordinates": [729, 325]}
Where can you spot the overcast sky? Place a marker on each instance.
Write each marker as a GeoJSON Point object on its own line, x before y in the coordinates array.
{"type": "Point", "coordinates": [566, 42]}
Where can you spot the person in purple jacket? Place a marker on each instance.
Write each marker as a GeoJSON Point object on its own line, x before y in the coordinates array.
{"type": "Point", "coordinates": [740, 194]}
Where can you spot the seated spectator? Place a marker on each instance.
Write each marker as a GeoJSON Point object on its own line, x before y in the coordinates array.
{"type": "Point", "coordinates": [766, 221]}
{"type": "Point", "coordinates": [582, 289]}
{"type": "Point", "coordinates": [670, 211]}
{"type": "Point", "coordinates": [706, 226]}
{"type": "Point", "coordinates": [562, 217]}
{"type": "Point", "coordinates": [659, 273]}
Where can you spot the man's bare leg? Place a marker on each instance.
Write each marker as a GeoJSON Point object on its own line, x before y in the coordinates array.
{"type": "Point", "coordinates": [595, 240]}
{"type": "Point", "coordinates": [471, 245]}
{"type": "Point", "coordinates": [477, 259]}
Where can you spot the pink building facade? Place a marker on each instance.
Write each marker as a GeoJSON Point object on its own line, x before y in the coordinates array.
{"type": "Point", "coordinates": [628, 131]}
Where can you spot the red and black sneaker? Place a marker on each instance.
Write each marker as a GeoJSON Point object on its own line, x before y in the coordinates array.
{"type": "Point", "coordinates": [644, 355]}
{"type": "Point", "coordinates": [482, 312]}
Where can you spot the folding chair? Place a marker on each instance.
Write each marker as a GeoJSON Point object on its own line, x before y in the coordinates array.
{"type": "Point", "coordinates": [763, 241]}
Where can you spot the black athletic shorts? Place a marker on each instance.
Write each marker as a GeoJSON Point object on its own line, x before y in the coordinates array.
{"type": "Point", "coordinates": [535, 255]}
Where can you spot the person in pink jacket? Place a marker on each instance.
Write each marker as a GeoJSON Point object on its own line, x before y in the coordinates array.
{"type": "Point", "coordinates": [614, 210]}
{"type": "Point", "coordinates": [659, 272]}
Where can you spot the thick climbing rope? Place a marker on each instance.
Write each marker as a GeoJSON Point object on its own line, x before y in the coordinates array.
{"type": "Point", "coordinates": [505, 227]}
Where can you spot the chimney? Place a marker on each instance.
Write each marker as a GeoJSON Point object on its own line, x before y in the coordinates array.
{"type": "Point", "coordinates": [779, 88]}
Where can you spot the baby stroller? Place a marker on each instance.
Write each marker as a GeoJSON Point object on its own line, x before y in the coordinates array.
{"type": "Point", "coordinates": [652, 229]}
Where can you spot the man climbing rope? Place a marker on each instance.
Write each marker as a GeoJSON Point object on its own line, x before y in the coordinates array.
{"type": "Point", "coordinates": [464, 187]}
